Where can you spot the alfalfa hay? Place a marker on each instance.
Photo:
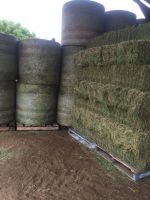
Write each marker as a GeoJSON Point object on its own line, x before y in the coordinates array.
{"type": "Point", "coordinates": [141, 32]}
{"type": "Point", "coordinates": [132, 147]}
{"type": "Point", "coordinates": [125, 105]}
{"type": "Point", "coordinates": [132, 52]}
{"type": "Point", "coordinates": [126, 64]}
{"type": "Point", "coordinates": [133, 76]}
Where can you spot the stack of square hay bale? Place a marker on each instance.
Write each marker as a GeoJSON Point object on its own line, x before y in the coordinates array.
{"type": "Point", "coordinates": [112, 100]}
{"type": "Point", "coordinates": [140, 32]}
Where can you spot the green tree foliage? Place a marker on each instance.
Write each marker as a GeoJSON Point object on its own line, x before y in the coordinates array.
{"type": "Point", "coordinates": [15, 29]}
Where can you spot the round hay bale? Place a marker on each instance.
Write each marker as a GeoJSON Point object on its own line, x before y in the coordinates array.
{"type": "Point", "coordinates": [39, 62]}
{"type": "Point", "coordinates": [7, 102]}
{"type": "Point", "coordinates": [119, 19]}
{"type": "Point", "coordinates": [81, 21]}
{"type": "Point", "coordinates": [36, 104]}
{"type": "Point", "coordinates": [65, 99]}
{"type": "Point", "coordinates": [8, 57]}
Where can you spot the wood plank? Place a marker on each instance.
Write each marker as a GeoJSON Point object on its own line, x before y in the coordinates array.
{"type": "Point", "coordinates": [54, 127]}
{"type": "Point", "coordinates": [116, 162]}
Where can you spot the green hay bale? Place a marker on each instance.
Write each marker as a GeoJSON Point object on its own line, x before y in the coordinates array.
{"type": "Point", "coordinates": [65, 104]}
{"type": "Point", "coordinates": [65, 98]}
{"type": "Point", "coordinates": [88, 57]}
{"type": "Point", "coordinates": [132, 52]}
{"type": "Point", "coordinates": [133, 76]}
{"type": "Point", "coordinates": [125, 64]}
{"type": "Point", "coordinates": [141, 32]}
{"type": "Point", "coordinates": [132, 147]}
{"type": "Point", "coordinates": [125, 105]}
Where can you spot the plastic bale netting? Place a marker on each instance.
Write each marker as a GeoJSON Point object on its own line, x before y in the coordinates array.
{"type": "Point", "coordinates": [132, 147]}
{"type": "Point", "coordinates": [141, 32]}
{"type": "Point", "coordinates": [119, 19]}
{"type": "Point", "coordinates": [65, 99]}
{"type": "Point", "coordinates": [65, 104]}
{"type": "Point", "coordinates": [125, 105]}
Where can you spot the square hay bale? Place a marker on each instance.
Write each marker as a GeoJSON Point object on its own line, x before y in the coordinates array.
{"type": "Point", "coordinates": [132, 147]}
{"type": "Point", "coordinates": [89, 57]}
{"type": "Point", "coordinates": [132, 52]}
{"type": "Point", "coordinates": [141, 32]}
{"type": "Point", "coordinates": [125, 105]}
{"type": "Point", "coordinates": [133, 76]}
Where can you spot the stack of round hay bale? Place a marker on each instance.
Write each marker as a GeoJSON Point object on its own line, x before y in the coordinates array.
{"type": "Point", "coordinates": [37, 90]}
{"type": "Point", "coordinates": [82, 20]}
{"type": "Point", "coordinates": [8, 76]}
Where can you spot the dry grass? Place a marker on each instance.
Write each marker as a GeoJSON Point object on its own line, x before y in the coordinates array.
{"type": "Point", "coordinates": [130, 146]}
{"type": "Point", "coordinates": [112, 100]}
{"type": "Point", "coordinates": [141, 32]}
{"type": "Point", "coordinates": [125, 105]}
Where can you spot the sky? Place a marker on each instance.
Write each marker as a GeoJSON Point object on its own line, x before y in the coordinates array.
{"type": "Point", "coordinates": [43, 17]}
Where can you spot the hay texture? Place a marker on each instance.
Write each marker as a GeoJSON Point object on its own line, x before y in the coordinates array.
{"type": "Point", "coordinates": [141, 32]}
{"type": "Point", "coordinates": [133, 76]}
{"type": "Point", "coordinates": [112, 100]}
{"type": "Point", "coordinates": [130, 146]}
{"type": "Point", "coordinates": [128, 106]}
{"type": "Point", "coordinates": [132, 52]}
{"type": "Point", "coordinates": [126, 64]}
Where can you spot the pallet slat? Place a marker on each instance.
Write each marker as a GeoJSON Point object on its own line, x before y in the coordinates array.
{"type": "Point", "coordinates": [53, 127]}
{"type": "Point", "coordinates": [121, 166]}
{"type": "Point", "coordinates": [7, 127]}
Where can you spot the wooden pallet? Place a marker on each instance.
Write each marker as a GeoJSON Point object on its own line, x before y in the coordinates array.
{"type": "Point", "coordinates": [91, 145]}
{"type": "Point", "coordinates": [7, 127]}
{"type": "Point", "coordinates": [121, 166]}
{"type": "Point", "coordinates": [63, 128]}
{"type": "Point", "coordinates": [52, 127]}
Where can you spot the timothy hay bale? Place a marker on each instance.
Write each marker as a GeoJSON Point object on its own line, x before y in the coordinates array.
{"type": "Point", "coordinates": [125, 105]}
{"type": "Point", "coordinates": [141, 32]}
{"type": "Point", "coordinates": [133, 76]}
{"type": "Point", "coordinates": [89, 57]}
{"type": "Point", "coordinates": [130, 146]}
{"type": "Point", "coordinates": [124, 63]}
{"type": "Point", "coordinates": [132, 52]}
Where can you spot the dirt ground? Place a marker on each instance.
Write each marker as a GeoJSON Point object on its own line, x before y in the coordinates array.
{"type": "Point", "coordinates": [52, 166]}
